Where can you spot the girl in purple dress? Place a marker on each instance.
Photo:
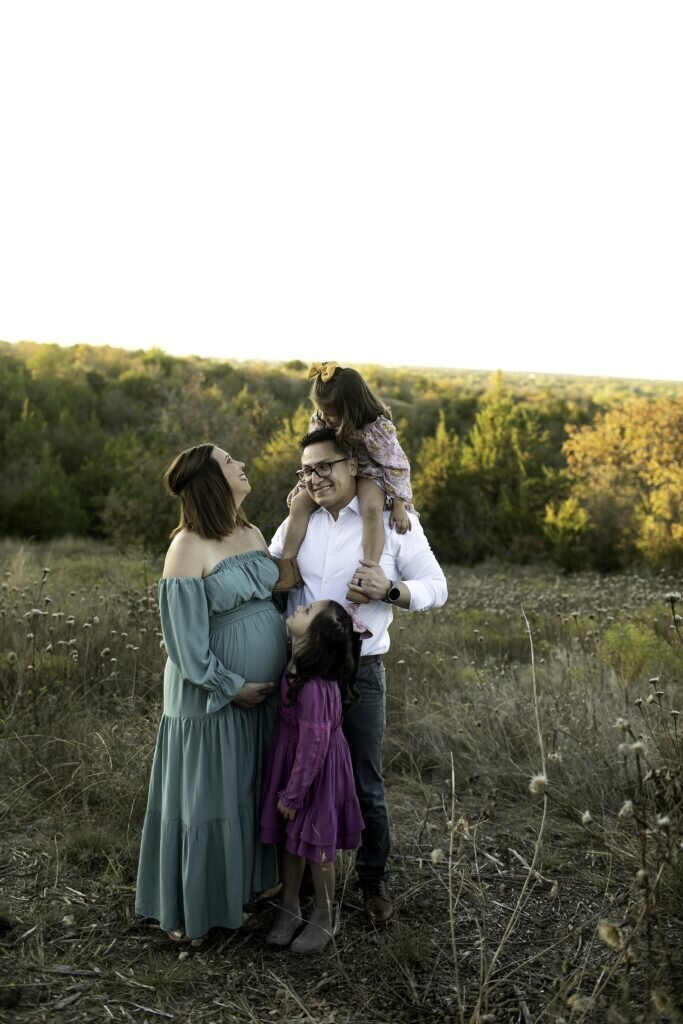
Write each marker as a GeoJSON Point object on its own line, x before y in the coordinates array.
{"type": "Point", "coordinates": [309, 798]}
{"type": "Point", "coordinates": [364, 428]}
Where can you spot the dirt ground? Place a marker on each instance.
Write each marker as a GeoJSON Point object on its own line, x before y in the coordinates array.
{"type": "Point", "coordinates": [71, 948]}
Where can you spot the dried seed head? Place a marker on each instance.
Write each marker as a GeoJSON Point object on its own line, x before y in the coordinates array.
{"type": "Point", "coordinates": [586, 818]}
{"type": "Point", "coordinates": [538, 784]}
{"type": "Point", "coordinates": [638, 701]}
{"type": "Point", "coordinates": [664, 821]}
{"type": "Point", "coordinates": [621, 723]}
{"type": "Point", "coordinates": [579, 1002]}
{"type": "Point", "coordinates": [642, 878]}
{"type": "Point", "coordinates": [661, 1001]}
{"type": "Point", "coordinates": [437, 857]}
{"type": "Point", "coordinates": [555, 756]}
{"type": "Point", "coordinates": [638, 747]}
{"type": "Point", "coordinates": [611, 934]}
{"type": "Point", "coordinates": [626, 811]}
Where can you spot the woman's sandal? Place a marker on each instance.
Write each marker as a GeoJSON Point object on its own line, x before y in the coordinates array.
{"type": "Point", "coordinates": [178, 936]}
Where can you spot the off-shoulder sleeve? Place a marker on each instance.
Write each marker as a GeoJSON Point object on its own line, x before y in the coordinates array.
{"type": "Point", "coordinates": [185, 625]}
{"type": "Point", "coordinates": [318, 710]}
{"type": "Point", "coordinates": [381, 441]}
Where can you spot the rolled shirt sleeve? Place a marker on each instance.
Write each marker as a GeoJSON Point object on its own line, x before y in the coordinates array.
{"type": "Point", "coordinates": [419, 569]}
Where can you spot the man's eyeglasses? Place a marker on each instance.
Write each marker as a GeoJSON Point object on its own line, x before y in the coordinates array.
{"type": "Point", "coordinates": [322, 470]}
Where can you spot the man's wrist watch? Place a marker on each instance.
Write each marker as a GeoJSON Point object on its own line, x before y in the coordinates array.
{"type": "Point", "coordinates": [393, 593]}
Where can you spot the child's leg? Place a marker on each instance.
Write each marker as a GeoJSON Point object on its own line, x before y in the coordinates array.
{"type": "Point", "coordinates": [323, 883]}
{"type": "Point", "coordinates": [292, 873]}
{"type": "Point", "coordinates": [371, 500]}
{"type": "Point", "coordinates": [299, 513]}
{"type": "Point", "coordinates": [289, 920]}
{"type": "Point", "coordinates": [324, 920]}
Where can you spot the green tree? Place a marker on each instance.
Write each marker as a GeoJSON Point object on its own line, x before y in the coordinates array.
{"type": "Point", "coordinates": [436, 482]}
{"type": "Point", "coordinates": [626, 471]}
{"type": "Point", "coordinates": [506, 460]}
{"type": "Point", "coordinates": [274, 473]}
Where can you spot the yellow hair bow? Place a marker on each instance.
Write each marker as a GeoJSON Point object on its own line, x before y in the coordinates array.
{"type": "Point", "coordinates": [326, 371]}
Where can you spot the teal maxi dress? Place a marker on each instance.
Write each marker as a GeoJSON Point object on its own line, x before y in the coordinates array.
{"type": "Point", "coordinates": [200, 855]}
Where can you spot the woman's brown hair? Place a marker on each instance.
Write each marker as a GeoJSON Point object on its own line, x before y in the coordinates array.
{"type": "Point", "coordinates": [207, 506]}
{"type": "Point", "coordinates": [355, 403]}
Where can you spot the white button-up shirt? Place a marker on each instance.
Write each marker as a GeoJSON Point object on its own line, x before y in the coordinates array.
{"type": "Point", "coordinates": [333, 549]}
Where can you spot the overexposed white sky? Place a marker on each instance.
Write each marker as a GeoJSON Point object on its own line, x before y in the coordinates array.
{"type": "Point", "coordinates": [483, 184]}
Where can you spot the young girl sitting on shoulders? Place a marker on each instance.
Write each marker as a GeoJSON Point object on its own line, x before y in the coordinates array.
{"type": "Point", "coordinates": [363, 426]}
{"type": "Point", "coordinates": [309, 798]}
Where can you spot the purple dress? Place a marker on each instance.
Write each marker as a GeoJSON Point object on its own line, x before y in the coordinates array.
{"type": "Point", "coordinates": [309, 769]}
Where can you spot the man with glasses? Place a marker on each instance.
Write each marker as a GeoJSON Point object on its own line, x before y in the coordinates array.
{"type": "Point", "coordinates": [407, 576]}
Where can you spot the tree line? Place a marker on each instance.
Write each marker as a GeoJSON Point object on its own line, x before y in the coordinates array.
{"type": "Point", "coordinates": [588, 473]}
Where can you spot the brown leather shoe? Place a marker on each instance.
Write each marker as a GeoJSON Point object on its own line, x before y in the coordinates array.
{"type": "Point", "coordinates": [377, 902]}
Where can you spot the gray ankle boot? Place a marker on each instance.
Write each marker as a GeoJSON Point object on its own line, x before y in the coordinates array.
{"type": "Point", "coordinates": [323, 925]}
{"type": "Point", "coordinates": [287, 924]}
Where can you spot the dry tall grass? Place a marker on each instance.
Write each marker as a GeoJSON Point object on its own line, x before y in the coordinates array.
{"type": "Point", "coordinates": [536, 808]}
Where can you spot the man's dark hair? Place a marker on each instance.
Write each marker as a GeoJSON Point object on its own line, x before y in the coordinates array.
{"type": "Point", "coordinates": [322, 435]}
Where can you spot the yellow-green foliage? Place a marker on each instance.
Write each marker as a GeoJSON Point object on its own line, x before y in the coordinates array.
{"type": "Point", "coordinates": [636, 653]}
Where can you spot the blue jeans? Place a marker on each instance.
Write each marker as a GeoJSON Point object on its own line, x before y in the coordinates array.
{"type": "Point", "coordinates": [364, 730]}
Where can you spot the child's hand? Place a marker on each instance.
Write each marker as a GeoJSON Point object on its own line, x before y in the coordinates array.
{"type": "Point", "coordinates": [286, 812]}
{"type": "Point", "coordinates": [399, 518]}
{"type": "Point", "coordinates": [292, 495]}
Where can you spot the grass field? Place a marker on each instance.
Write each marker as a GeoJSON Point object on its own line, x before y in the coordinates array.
{"type": "Point", "coordinates": [534, 776]}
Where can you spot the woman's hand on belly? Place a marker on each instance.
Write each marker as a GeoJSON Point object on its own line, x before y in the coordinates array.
{"type": "Point", "coordinates": [252, 694]}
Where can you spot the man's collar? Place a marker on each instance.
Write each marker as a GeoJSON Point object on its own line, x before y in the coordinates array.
{"type": "Point", "coordinates": [352, 506]}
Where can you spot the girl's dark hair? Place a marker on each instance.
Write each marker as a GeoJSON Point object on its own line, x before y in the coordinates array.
{"type": "Point", "coordinates": [207, 506]}
{"type": "Point", "coordinates": [355, 402]}
{"type": "Point", "coordinates": [330, 650]}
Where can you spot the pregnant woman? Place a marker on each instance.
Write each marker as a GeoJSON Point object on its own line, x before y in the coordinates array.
{"type": "Point", "coordinates": [200, 858]}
